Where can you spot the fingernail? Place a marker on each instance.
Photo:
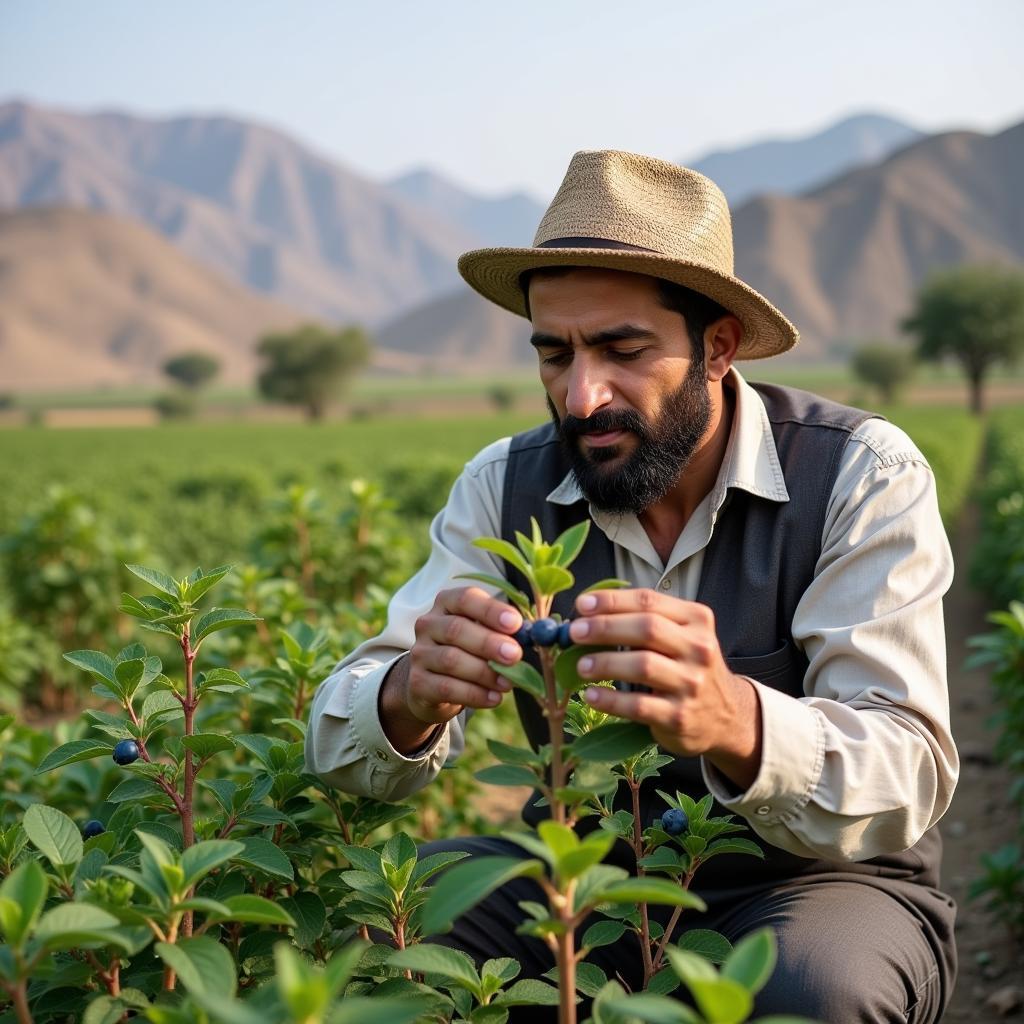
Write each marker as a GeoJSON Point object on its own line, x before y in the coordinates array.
{"type": "Point", "coordinates": [492, 697]}
{"type": "Point", "coordinates": [587, 603]}
{"type": "Point", "coordinates": [585, 665]}
{"type": "Point", "coordinates": [593, 695]}
{"type": "Point", "coordinates": [508, 651]}
{"type": "Point", "coordinates": [579, 629]}
{"type": "Point", "coordinates": [508, 619]}
{"type": "Point", "coordinates": [503, 684]}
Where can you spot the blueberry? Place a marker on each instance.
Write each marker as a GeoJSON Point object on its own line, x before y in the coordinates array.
{"type": "Point", "coordinates": [674, 822]}
{"type": "Point", "coordinates": [564, 640]}
{"type": "Point", "coordinates": [126, 752]}
{"type": "Point", "coordinates": [545, 632]}
{"type": "Point", "coordinates": [92, 828]}
{"type": "Point", "coordinates": [522, 635]}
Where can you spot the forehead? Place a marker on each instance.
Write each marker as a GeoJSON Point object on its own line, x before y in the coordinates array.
{"type": "Point", "coordinates": [593, 294]}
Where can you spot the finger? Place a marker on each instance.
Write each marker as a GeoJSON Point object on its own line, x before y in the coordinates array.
{"type": "Point", "coordinates": [638, 599]}
{"type": "Point", "coordinates": [429, 691]}
{"type": "Point", "coordinates": [647, 630]}
{"type": "Point", "coordinates": [644, 667]}
{"type": "Point", "coordinates": [645, 708]}
{"type": "Point", "coordinates": [453, 631]}
{"type": "Point", "coordinates": [476, 604]}
{"type": "Point", "coordinates": [455, 663]}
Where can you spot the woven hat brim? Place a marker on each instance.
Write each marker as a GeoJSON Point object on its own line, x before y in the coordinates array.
{"type": "Point", "coordinates": [495, 273]}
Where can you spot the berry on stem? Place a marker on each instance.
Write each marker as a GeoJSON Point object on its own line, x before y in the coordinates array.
{"type": "Point", "coordinates": [544, 632]}
{"type": "Point", "coordinates": [564, 640]}
{"type": "Point", "coordinates": [92, 828]}
{"type": "Point", "coordinates": [522, 635]}
{"type": "Point", "coordinates": [126, 752]}
{"type": "Point", "coordinates": [674, 822]}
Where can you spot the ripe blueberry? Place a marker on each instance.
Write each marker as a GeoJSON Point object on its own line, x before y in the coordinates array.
{"type": "Point", "coordinates": [92, 828]}
{"type": "Point", "coordinates": [522, 635]}
{"type": "Point", "coordinates": [564, 640]}
{"type": "Point", "coordinates": [545, 632]}
{"type": "Point", "coordinates": [674, 822]}
{"type": "Point", "coordinates": [126, 752]}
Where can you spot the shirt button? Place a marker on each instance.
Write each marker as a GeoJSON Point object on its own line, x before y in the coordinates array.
{"type": "Point", "coordinates": [382, 755]}
{"type": "Point", "coordinates": [763, 810]}
{"type": "Point", "coordinates": [666, 584]}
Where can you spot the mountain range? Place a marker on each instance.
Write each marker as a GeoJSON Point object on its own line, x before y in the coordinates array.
{"type": "Point", "coordinates": [319, 240]}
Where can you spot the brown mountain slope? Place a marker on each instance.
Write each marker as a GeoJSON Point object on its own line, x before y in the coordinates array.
{"type": "Point", "coordinates": [461, 333]}
{"type": "Point", "coordinates": [241, 198]}
{"type": "Point", "coordinates": [844, 261]}
{"type": "Point", "coordinates": [88, 300]}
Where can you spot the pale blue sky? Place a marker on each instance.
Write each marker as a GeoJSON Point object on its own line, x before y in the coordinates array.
{"type": "Point", "coordinates": [498, 96]}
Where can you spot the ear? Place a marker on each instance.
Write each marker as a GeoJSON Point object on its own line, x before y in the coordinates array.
{"type": "Point", "coordinates": [721, 340]}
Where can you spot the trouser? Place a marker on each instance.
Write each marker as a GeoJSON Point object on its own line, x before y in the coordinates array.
{"type": "Point", "coordinates": [851, 948]}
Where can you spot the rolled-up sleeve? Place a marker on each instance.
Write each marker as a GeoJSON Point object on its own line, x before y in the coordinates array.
{"type": "Point", "coordinates": [346, 744]}
{"type": "Point", "coordinates": [865, 762]}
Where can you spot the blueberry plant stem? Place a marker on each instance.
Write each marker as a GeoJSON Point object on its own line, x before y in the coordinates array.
{"type": "Point", "coordinates": [638, 852]}
{"type": "Point", "coordinates": [188, 831]}
{"type": "Point", "coordinates": [659, 957]}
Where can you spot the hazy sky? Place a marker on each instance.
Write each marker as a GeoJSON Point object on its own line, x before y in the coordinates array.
{"type": "Point", "coordinates": [498, 96]}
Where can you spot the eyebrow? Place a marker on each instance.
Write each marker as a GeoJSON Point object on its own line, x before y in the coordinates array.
{"type": "Point", "coordinates": [624, 332]}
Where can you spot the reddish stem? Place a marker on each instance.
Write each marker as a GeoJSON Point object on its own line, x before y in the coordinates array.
{"type": "Point", "coordinates": [638, 852]}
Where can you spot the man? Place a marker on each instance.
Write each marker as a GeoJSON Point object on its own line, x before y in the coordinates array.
{"type": "Point", "coordinates": [785, 628]}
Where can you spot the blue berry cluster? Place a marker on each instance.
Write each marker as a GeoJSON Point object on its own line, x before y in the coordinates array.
{"type": "Point", "coordinates": [674, 822]}
{"type": "Point", "coordinates": [544, 633]}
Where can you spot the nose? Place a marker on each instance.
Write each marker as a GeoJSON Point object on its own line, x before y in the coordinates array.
{"type": "Point", "coordinates": [587, 390]}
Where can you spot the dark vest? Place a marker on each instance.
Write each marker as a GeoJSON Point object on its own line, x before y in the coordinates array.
{"type": "Point", "coordinates": [758, 564]}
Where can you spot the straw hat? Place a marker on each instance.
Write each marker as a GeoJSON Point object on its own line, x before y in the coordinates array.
{"type": "Point", "coordinates": [628, 212]}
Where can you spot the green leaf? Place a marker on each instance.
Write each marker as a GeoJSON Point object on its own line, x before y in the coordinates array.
{"type": "Point", "coordinates": [202, 964]}
{"type": "Point", "coordinates": [528, 992]}
{"type": "Point", "coordinates": [199, 860]}
{"type": "Point", "coordinates": [262, 854]}
{"type": "Point", "coordinates": [220, 618]}
{"type": "Point", "coordinates": [206, 744]}
{"type": "Point", "coordinates": [309, 914]}
{"type": "Point", "coordinates": [251, 909]}
{"type": "Point", "coordinates": [503, 549]}
{"type": "Point", "coordinates": [515, 755]}
{"type": "Point", "coordinates": [649, 890]}
{"type": "Point", "coordinates": [523, 675]}
{"type": "Point", "coordinates": [752, 961]}
{"type": "Point", "coordinates": [223, 680]}
{"type": "Point", "coordinates": [449, 963]}
{"type": "Point", "coordinates": [138, 788]}
{"type": "Point", "coordinates": [507, 775]}
{"type": "Point", "coordinates": [656, 1009]}
{"type": "Point", "coordinates": [159, 580]}
{"type": "Point", "coordinates": [67, 924]}
{"type": "Point", "coordinates": [732, 846]}
{"type": "Point", "coordinates": [553, 579]}
{"type": "Point", "coordinates": [54, 834]}
{"type": "Point", "coordinates": [566, 672]}
{"type": "Point", "coordinates": [95, 662]}
{"type": "Point", "coordinates": [377, 1010]}
{"type": "Point", "coordinates": [516, 596]}
{"type": "Point", "coordinates": [722, 1000]}
{"type": "Point", "coordinates": [200, 582]}
{"type": "Point", "coordinates": [571, 542]}
{"type": "Point", "coordinates": [711, 945]}
{"type": "Point", "coordinates": [603, 933]}
{"type": "Point", "coordinates": [69, 753]}
{"type": "Point", "coordinates": [611, 743]}
{"type": "Point", "coordinates": [22, 895]}
{"type": "Point", "coordinates": [464, 885]}
{"type": "Point", "coordinates": [609, 584]}
{"type": "Point", "coordinates": [559, 839]}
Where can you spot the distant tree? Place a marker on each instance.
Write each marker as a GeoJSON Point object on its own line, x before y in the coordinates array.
{"type": "Point", "coordinates": [310, 365]}
{"type": "Point", "coordinates": [192, 369]}
{"type": "Point", "coordinates": [175, 405]}
{"type": "Point", "coordinates": [974, 314]}
{"type": "Point", "coordinates": [502, 397]}
{"type": "Point", "coordinates": [885, 366]}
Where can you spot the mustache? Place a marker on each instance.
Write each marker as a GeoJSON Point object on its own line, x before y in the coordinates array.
{"type": "Point", "coordinates": [572, 427]}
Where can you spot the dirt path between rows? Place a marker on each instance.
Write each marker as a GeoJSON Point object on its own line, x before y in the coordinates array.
{"type": "Point", "coordinates": [981, 818]}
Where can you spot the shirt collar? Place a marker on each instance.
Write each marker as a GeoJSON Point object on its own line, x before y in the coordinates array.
{"type": "Point", "coordinates": [751, 460]}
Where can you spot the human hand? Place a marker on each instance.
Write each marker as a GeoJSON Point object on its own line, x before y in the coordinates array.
{"type": "Point", "coordinates": [698, 706]}
{"type": "Point", "coordinates": [446, 669]}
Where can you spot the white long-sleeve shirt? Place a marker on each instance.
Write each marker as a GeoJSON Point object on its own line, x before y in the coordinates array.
{"type": "Point", "coordinates": [859, 766]}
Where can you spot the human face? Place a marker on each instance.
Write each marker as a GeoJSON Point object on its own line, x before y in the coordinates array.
{"type": "Point", "coordinates": [630, 403]}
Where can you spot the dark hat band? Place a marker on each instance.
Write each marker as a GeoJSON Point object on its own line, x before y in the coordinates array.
{"type": "Point", "coordinates": [591, 243]}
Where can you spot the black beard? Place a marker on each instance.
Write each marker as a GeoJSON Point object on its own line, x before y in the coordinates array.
{"type": "Point", "coordinates": [662, 453]}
